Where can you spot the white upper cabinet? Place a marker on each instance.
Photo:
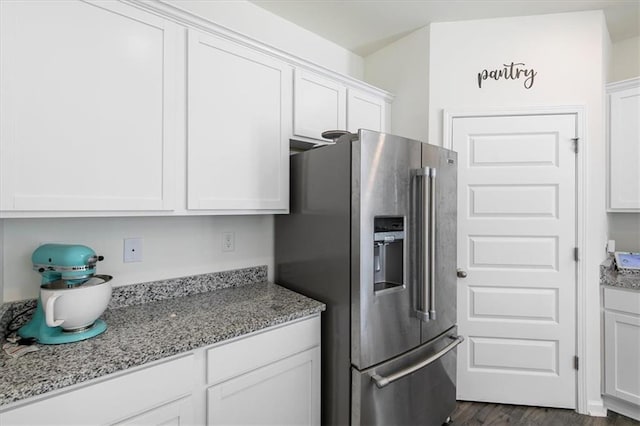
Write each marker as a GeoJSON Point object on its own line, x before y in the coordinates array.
{"type": "Point", "coordinates": [319, 105]}
{"type": "Point", "coordinates": [366, 111]}
{"type": "Point", "coordinates": [132, 108]}
{"type": "Point", "coordinates": [88, 107]}
{"type": "Point", "coordinates": [624, 145]}
{"type": "Point", "coordinates": [239, 121]}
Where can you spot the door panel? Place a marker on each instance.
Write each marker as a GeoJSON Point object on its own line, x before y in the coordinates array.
{"type": "Point", "coordinates": [88, 116]}
{"type": "Point", "coordinates": [516, 239]}
{"type": "Point", "coordinates": [383, 316]}
{"type": "Point", "coordinates": [424, 397]}
{"type": "Point", "coordinates": [239, 120]}
{"type": "Point", "coordinates": [445, 164]}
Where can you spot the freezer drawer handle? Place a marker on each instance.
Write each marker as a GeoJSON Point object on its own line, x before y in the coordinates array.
{"type": "Point", "coordinates": [384, 381]}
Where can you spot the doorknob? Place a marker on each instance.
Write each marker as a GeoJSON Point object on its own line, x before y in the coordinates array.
{"type": "Point", "coordinates": [462, 273]}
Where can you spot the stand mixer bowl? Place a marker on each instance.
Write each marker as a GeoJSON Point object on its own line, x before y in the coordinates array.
{"type": "Point", "coordinates": [75, 307]}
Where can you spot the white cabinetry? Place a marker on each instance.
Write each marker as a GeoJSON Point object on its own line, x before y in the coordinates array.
{"type": "Point", "coordinates": [624, 145]}
{"type": "Point", "coordinates": [239, 104]}
{"type": "Point", "coordinates": [136, 108]}
{"type": "Point", "coordinates": [88, 107]}
{"type": "Point", "coordinates": [276, 374]}
{"type": "Point", "coordinates": [270, 377]}
{"type": "Point", "coordinates": [622, 351]}
{"type": "Point", "coordinates": [322, 103]}
{"type": "Point", "coordinates": [365, 111]}
{"type": "Point", "coordinates": [319, 105]}
{"type": "Point", "coordinates": [152, 395]}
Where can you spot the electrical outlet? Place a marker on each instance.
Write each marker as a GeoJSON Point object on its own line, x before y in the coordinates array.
{"type": "Point", "coordinates": [228, 241]}
{"type": "Point", "coordinates": [133, 249]}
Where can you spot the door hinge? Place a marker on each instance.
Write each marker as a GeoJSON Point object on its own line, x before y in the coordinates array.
{"type": "Point", "coordinates": [575, 144]}
{"type": "Point", "coordinates": [576, 362]}
{"type": "Point", "coordinates": [576, 254]}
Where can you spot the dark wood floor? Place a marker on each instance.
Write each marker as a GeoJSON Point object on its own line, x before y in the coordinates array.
{"type": "Point", "coordinates": [478, 413]}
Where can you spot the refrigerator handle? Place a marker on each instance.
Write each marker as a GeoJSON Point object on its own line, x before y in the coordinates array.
{"type": "Point", "coordinates": [424, 288]}
{"type": "Point", "coordinates": [382, 381]}
{"type": "Point", "coordinates": [432, 244]}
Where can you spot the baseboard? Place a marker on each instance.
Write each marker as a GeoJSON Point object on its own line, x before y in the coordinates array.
{"type": "Point", "coordinates": [596, 408]}
{"type": "Point", "coordinates": [622, 407]}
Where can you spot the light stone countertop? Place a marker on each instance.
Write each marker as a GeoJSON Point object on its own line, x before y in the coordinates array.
{"type": "Point", "coordinates": [141, 333]}
{"type": "Point", "coordinates": [610, 276]}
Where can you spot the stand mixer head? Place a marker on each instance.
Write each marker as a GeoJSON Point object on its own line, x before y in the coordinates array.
{"type": "Point", "coordinates": [72, 295]}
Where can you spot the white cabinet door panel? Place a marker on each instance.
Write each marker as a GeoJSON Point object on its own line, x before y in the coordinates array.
{"type": "Point", "coordinates": [319, 105]}
{"type": "Point", "coordinates": [88, 107]}
{"type": "Point", "coordinates": [365, 112]}
{"type": "Point", "coordinates": [624, 149]}
{"type": "Point", "coordinates": [176, 413]}
{"type": "Point", "coordinates": [282, 393]}
{"type": "Point", "coordinates": [239, 116]}
{"type": "Point", "coordinates": [622, 355]}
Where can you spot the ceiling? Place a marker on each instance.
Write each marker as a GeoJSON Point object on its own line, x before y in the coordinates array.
{"type": "Point", "coordinates": [364, 26]}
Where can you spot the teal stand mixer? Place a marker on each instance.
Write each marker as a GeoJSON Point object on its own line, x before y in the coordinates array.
{"type": "Point", "coordinates": [72, 295]}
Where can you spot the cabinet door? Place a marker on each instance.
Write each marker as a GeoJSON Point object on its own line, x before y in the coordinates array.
{"type": "Point", "coordinates": [174, 413]}
{"type": "Point", "coordinates": [134, 393]}
{"type": "Point", "coordinates": [365, 111]}
{"type": "Point", "coordinates": [239, 121]}
{"type": "Point", "coordinates": [624, 149]}
{"type": "Point", "coordinates": [283, 393]}
{"type": "Point", "coordinates": [622, 352]}
{"type": "Point", "coordinates": [87, 119]}
{"type": "Point", "coordinates": [319, 104]}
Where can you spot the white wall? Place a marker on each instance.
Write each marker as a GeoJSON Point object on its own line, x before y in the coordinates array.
{"type": "Point", "coordinates": [569, 53]}
{"type": "Point", "coordinates": [624, 228]}
{"type": "Point", "coordinates": [402, 68]}
{"type": "Point", "coordinates": [173, 246]}
{"type": "Point", "coordinates": [248, 19]}
{"type": "Point", "coordinates": [625, 59]}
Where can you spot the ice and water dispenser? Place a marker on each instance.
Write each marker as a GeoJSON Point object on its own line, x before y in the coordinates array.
{"type": "Point", "coordinates": [388, 253]}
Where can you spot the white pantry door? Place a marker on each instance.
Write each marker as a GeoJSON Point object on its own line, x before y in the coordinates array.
{"type": "Point", "coordinates": [516, 240]}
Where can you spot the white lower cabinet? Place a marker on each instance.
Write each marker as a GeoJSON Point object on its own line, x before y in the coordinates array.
{"type": "Point", "coordinates": [622, 351]}
{"type": "Point", "coordinates": [271, 377]}
{"type": "Point", "coordinates": [143, 392]}
{"type": "Point", "coordinates": [281, 393]}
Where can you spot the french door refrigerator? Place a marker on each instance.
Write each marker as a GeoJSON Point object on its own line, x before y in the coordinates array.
{"type": "Point", "coordinates": [372, 234]}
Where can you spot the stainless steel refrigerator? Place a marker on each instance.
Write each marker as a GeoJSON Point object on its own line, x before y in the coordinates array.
{"type": "Point", "coordinates": [372, 233]}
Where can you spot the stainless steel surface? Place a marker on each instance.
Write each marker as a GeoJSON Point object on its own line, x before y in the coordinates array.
{"type": "Point", "coordinates": [62, 284]}
{"type": "Point", "coordinates": [461, 273]}
{"type": "Point", "coordinates": [358, 240]}
{"type": "Point", "coordinates": [424, 248]}
{"type": "Point", "coordinates": [382, 183]}
{"type": "Point", "coordinates": [426, 397]}
{"type": "Point", "coordinates": [312, 256]}
{"type": "Point", "coordinates": [444, 237]}
{"type": "Point", "coordinates": [387, 380]}
{"type": "Point", "coordinates": [432, 243]}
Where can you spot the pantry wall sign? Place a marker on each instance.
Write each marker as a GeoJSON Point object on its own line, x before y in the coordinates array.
{"type": "Point", "coordinates": [512, 71]}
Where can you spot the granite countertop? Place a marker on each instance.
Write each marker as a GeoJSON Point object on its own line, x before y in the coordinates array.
{"type": "Point", "coordinates": [141, 333]}
{"type": "Point", "coordinates": [611, 277]}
